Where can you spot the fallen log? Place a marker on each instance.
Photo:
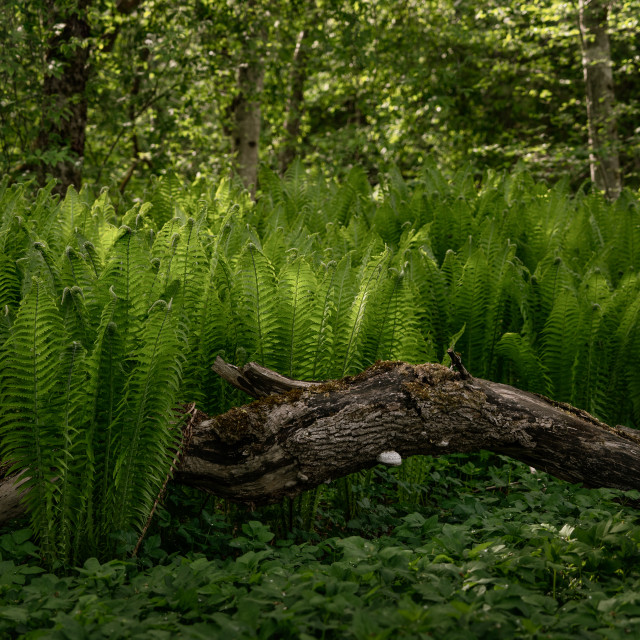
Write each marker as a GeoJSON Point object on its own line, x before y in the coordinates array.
{"type": "Point", "coordinates": [297, 434]}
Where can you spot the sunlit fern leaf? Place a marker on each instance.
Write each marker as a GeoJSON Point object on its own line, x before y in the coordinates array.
{"type": "Point", "coordinates": [256, 312]}
{"type": "Point", "coordinates": [410, 241]}
{"type": "Point", "coordinates": [528, 373]}
{"type": "Point", "coordinates": [145, 434]}
{"type": "Point", "coordinates": [432, 305]}
{"type": "Point", "coordinates": [76, 318]}
{"type": "Point", "coordinates": [163, 244]}
{"type": "Point", "coordinates": [231, 193]}
{"type": "Point", "coordinates": [92, 259]}
{"type": "Point", "coordinates": [296, 298]}
{"type": "Point", "coordinates": [272, 187]}
{"type": "Point", "coordinates": [230, 297]}
{"type": "Point", "coordinates": [472, 307]}
{"type": "Point", "coordinates": [349, 339]}
{"type": "Point", "coordinates": [451, 226]}
{"type": "Point", "coordinates": [559, 343]}
{"type": "Point", "coordinates": [46, 267]}
{"type": "Point", "coordinates": [76, 271]}
{"type": "Point", "coordinates": [588, 359]}
{"type": "Point", "coordinates": [129, 272]}
{"type": "Point", "coordinates": [208, 334]}
{"type": "Point", "coordinates": [391, 323]}
{"type": "Point", "coordinates": [275, 246]}
{"type": "Point", "coordinates": [343, 289]}
{"type": "Point", "coordinates": [633, 376]}
{"type": "Point", "coordinates": [139, 216]}
{"type": "Point", "coordinates": [321, 320]}
{"type": "Point", "coordinates": [56, 228]}
{"type": "Point", "coordinates": [13, 208]}
{"type": "Point", "coordinates": [602, 357]}
{"type": "Point", "coordinates": [625, 220]}
{"type": "Point", "coordinates": [387, 224]}
{"type": "Point", "coordinates": [189, 267]}
{"type": "Point", "coordinates": [30, 377]}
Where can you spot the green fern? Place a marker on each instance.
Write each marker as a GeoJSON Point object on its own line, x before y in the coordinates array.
{"type": "Point", "coordinates": [29, 427]}
{"type": "Point", "coordinates": [391, 331]}
{"type": "Point", "coordinates": [296, 293]}
{"type": "Point", "coordinates": [257, 305]}
{"type": "Point", "coordinates": [559, 343]}
{"type": "Point", "coordinates": [528, 373]}
{"type": "Point", "coordinates": [350, 335]}
{"type": "Point", "coordinates": [71, 495]}
{"type": "Point", "coordinates": [145, 434]}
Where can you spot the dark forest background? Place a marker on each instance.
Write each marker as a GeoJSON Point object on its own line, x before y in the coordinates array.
{"type": "Point", "coordinates": [112, 92]}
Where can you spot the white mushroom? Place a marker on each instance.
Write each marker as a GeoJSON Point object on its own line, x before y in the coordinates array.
{"type": "Point", "coordinates": [392, 458]}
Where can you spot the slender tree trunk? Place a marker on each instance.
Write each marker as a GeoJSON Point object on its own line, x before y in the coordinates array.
{"type": "Point", "coordinates": [310, 433]}
{"type": "Point", "coordinates": [64, 109]}
{"type": "Point", "coordinates": [295, 101]}
{"type": "Point", "coordinates": [247, 114]}
{"type": "Point", "coordinates": [596, 61]}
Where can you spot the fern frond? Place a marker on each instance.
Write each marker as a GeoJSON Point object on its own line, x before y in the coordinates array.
{"type": "Point", "coordinates": [296, 289]}
{"type": "Point", "coordinates": [559, 346]}
{"type": "Point", "coordinates": [320, 323]}
{"type": "Point", "coordinates": [104, 392]}
{"type": "Point", "coordinates": [391, 324]}
{"type": "Point", "coordinates": [9, 283]}
{"type": "Point", "coordinates": [128, 271]}
{"type": "Point", "coordinates": [472, 306]}
{"type": "Point", "coordinates": [76, 317]}
{"type": "Point", "coordinates": [71, 494]}
{"type": "Point", "coordinates": [189, 267]}
{"type": "Point", "coordinates": [31, 367]}
{"type": "Point", "coordinates": [75, 271]}
{"type": "Point", "coordinates": [528, 371]}
{"type": "Point", "coordinates": [145, 435]}
{"type": "Point", "coordinates": [349, 338]}
{"type": "Point", "coordinates": [257, 300]}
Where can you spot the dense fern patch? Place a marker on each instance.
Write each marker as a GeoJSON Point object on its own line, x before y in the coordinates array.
{"type": "Point", "coordinates": [111, 317]}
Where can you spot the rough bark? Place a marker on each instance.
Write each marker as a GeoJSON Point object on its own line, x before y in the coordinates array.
{"type": "Point", "coordinates": [311, 433]}
{"type": "Point", "coordinates": [295, 101]}
{"type": "Point", "coordinates": [64, 108]}
{"type": "Point", "coordinates": [598, 75]}
{"type": "Point", "coordinates": [246, 115]}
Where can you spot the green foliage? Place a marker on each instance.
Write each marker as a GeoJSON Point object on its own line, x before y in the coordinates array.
{"type": "Point", "coordinates": [105, 329]}
{"type": "Point", "coordinates": [490, 551]}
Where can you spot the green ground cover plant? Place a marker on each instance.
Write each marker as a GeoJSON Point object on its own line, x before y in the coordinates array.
{"type": "Point", "coordinates": [495, 551]}
{"type": "Point", "coordinates": [113, 312]}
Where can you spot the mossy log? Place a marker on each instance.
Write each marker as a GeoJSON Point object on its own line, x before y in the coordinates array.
{"type": "Point", "coordinates": [297, 435]}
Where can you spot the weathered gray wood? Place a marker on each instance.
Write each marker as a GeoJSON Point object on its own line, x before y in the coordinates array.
{"type": "Point", "coordinates": [312, 433]}
{"type": "Point", "coordinates": [282, 445]}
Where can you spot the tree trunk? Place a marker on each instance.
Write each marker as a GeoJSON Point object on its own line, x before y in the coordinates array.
{"type": "Point", "coordinates": [246, 133]}
{"type": "Point", "coordinates": [310, 433]}
{"type": "Point", "coordinates": [295, 102]}
{"type": "Point", "coordinates": [64, 109]}
{"type": "Point", "coordinates": [596, 62]}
